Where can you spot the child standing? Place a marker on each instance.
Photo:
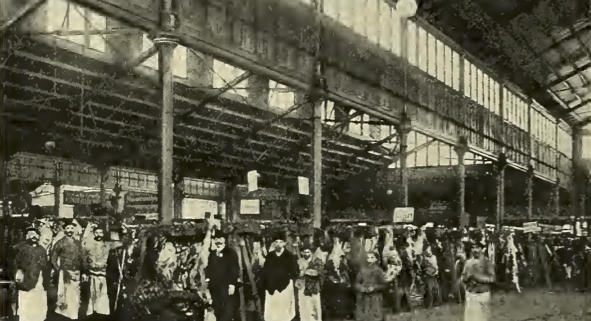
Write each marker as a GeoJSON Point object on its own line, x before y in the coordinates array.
{"type": "Point", "coordinates": [369, 285]}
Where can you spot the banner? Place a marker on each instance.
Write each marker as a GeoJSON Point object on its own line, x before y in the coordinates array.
{"type": "Point", "coordinates": [404, 214]}
{"type": "Point", "coordinates": [531, 227]}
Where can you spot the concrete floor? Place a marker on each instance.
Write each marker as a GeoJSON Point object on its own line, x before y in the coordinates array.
{"type": "Point", "coordinates": [529, 305]}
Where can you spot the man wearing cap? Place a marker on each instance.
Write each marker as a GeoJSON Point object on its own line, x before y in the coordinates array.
{"type": "Point", "coordinates": [122, 268]}
{"type": "Point", "coordinates": [222, 274]}
{"type": "Point", "coordinates": [309, 284]}
{"type": "Point", "coordinates": [277, 277]}
{"type": "Point", "coordinates": [32, 277]}
{"type": "Point", "coordinates": [478, 275]}
{"type": "Point", "coordinates": [67, 263]}
{"type": "Point", "coordinates": [96, 253]}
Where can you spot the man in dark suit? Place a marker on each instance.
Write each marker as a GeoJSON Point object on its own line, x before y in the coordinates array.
{"type": "Point", "coordinates": [122, 268]}
{"type": "Point", "coordinates": [222, 274]}
{"type": "Point", "coordinates": [32, 277]}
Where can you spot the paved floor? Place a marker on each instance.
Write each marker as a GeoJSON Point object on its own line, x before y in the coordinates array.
{"type": "Point", "coordinates": [529, 305]}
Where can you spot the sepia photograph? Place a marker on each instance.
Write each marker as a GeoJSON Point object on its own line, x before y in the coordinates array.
{"type": "Point", "coordinates": [295, 160]}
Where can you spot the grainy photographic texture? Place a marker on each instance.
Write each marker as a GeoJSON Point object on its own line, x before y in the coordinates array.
{"type": "Point", "coordinates": [279, 160]}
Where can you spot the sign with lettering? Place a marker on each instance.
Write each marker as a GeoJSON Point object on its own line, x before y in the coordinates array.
{"type": "Point", "coordinates": [531, 227]}
{"type": "Point", "coordinates": [404, 214]}
{"type": "Point", "coordinates": [250, 207]}
{"type": "Point", "coordinates": [141, 203]}
{"type": "Point", "coordinates": [438, 207]}
{"type": "Point", "coordinates": [81, 198]}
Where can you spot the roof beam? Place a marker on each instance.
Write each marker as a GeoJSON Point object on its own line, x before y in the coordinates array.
{"type": "Point", "coordinates": [23, 13]}
{"type": "Point", "coordinates": [578, 106]}
{"type": "Point", "coordinates": [568, 76]}
{"type": "Point", "coordinates": [574, 34]}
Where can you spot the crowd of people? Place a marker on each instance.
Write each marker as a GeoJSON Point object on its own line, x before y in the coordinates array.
{"type": "Point", "coordinates": [338, 273]}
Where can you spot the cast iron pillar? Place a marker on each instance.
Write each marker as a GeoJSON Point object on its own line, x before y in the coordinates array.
{"type": "Point", "coordinates": [530, 192]}
{"type": "Point", "coordinates": [404, 128]}
{"type": "Point", "coordinates": [501, 165]}
{"type": "Point", "coordinates": [461, 149]}
{"type": "Point", "coordinates": [576, 195]}
{"type": "Point", "coordinates": [166, 43]}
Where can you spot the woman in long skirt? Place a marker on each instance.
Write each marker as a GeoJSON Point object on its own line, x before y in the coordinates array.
{"type": "Point", "coordinates": [369, 285]}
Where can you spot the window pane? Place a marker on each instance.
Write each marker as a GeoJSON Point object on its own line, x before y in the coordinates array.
{"type": "Point", "coordinates": [355, 125]}
{"type": "Point", "coordinates": [474, 80]}
{"type": "Point", "coordinates": [396, 36]}
{"type": "Point", "coordinates": [432, 47]}
{"type": "Point", "coordinates": [98, 22]}
{"type": "Point", "coordinates": [373, 21]}
{"type": "Point", "coordinates": [421, 153]}
{"type": "Point", "coordinates": [423, 51]}
{"type": "Point", "coordinates": [179, 62]}
{"type": "Point", "coordinates": [347, 14]}
{"type": "Point", "coordinates": [224, 73]}
{"type": "Point", "coordinates": [280, 96]}
{"type": "Point", "coordinates": [440, 61]}
{"type": "Point", "coordinates": [467, 78]}
{"type": "Point", "coordinates": [359, 16]}
{"type": "Point", "coordinates": [486, 92]}
{"type": "Point", "coordinates": [385, 39]}
{"type": "Point", "coordinates": [456, 71]}
{"type": "Point", "coordinates": [331, 8]}
{"type": "Point", "coordinates": [448, 66]}
{"type": "Point", "coordinates": [151, 62]}
{"type": "Point", "coordinates": [365, 131]}
{"type": "Point", "coordinates": [412, 43]}
{"type": "Point", "coordinates": [480, 81]}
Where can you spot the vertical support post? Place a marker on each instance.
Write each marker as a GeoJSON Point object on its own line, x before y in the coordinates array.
{"type": "Point", "coordinates": [179, 196]}
{"type": "Point", "coordinates": [103, 177]}
{"type": "Point", "coordinates": [557, 198]}
{"type": "Point", "coordinates": [461, 149]}
{"type": "Point", "coordinates": [403, 131]}
{"type": "Point", "coordinates": [319, 83]}
{"type": "Point", "coordinates": [57, 188]}
{"type": "Point", "coordinates": [317, 159]}
{"type": "Point", "coordinates": [530, 191]}
{"type": "Point", "coordinates": [166, 45]}
{"type": "Point", "coordinates": [501, 165]}
{"type": "Point", "coordinates": [576, 195]}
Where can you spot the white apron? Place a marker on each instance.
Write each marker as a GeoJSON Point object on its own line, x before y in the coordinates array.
{"type": "Point", "coordinates": [310, 307]}
{"type": "Point", "coordinates": [32, 305]}
{"type": "Point", "coordinates": [477, 306]}
{"type": "Point", "coordinates": [99, 298]}
{"type": "Point", "coordinates": [68, 296]}
{"type": "Point", "coordinates": [281, 305]}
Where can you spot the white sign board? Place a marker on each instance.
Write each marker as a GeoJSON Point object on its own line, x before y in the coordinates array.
{"type": "Point", "coordinates": [404, 214]}
{"type": "Point", "coordinates": [303, 185]}
{"type": "Point", "coordinates": [531, 227]}
{"type": "Point", "coordinates": [250, 207]}
{"type": "Point", "coordinates": [194, 208]}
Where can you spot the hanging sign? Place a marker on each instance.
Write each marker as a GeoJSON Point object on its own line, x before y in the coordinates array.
{"type": "Point", "coordinates": [531, 227]}
{"type": "Point", "coordinates": [81, 198]}
{"type": "Point", "coordinates": [404, 214]}
{"type": "Point", "coordinates": [141, 203]}
{"type": "Point", "coordinates": [253, 181]}
{"type": "Point", "coordinates": [304, 185]}
{"type": "Point", "coordinates": [250, 207]}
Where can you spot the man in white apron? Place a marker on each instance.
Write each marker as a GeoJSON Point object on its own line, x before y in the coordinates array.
{"type": "Point", "coordinates": [96, 254]}
{"type": "Point", "coordinates": [478, 274]}
{"type": "Point", "coordinates": [66, 259]}
{"type": "Point", "coordinates": [31, 278]}
{"type": "Point", "coordinates": [278, 274]}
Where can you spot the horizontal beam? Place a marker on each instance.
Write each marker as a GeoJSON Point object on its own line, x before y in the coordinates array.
{"type": "Point", "coordinates": [92, 32]}
{"type": "Point", "coordinates": [569, 75]}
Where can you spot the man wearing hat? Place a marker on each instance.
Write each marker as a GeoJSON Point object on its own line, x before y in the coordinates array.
{"type": "Point", "coordinates": [32, 277]}
{"type": "Point", "coordinates": [222, 274]}
{"type": "Point", "coordinates": [122, 268]}
{"type": "Point", "coordinates": [478, 274]}
{"type": "Point", "coordinates": [277, 277]}
{"type": "Point", "coordinates": [67, 263]}
{"type": "Point", "coordinates": [96, 253]}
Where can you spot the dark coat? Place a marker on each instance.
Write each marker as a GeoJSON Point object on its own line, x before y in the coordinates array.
{"type": "Point", "coordinates": [278, 271]}
{"type": "Point", "coordinates": [130, 270]}
{"type": "Point", "coordinates": [32, 260]}
{"type": "Point", "coordinates": [222, 271]}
